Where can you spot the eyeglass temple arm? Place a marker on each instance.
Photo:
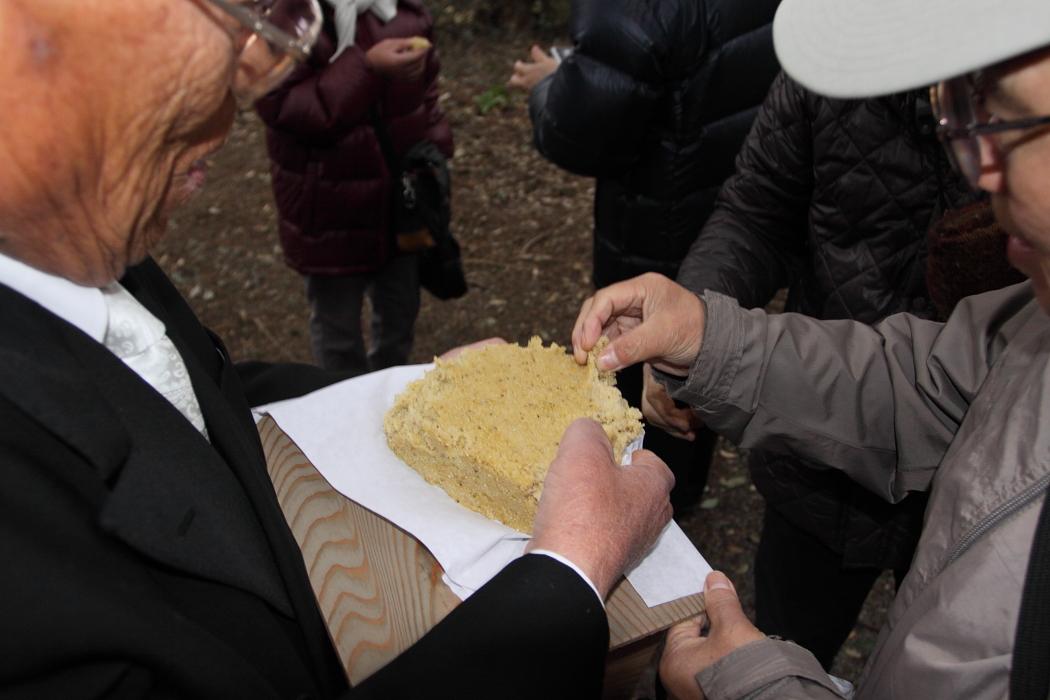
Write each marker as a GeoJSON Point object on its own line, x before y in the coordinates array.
{"type": "Point", "coordinates": [993, 127]}
{"type": "Point", "coordinates": [274, 36]}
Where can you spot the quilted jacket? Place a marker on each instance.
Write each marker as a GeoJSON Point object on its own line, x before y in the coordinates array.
{"type": "Point", "coordinates": [655, 102]}
{"type": "Point", "coordinates": [833, 199]}
{"type": "Point", "coordinates": [331, 181]}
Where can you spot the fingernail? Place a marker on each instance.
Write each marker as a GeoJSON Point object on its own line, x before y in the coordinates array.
{"type": "Point", "coordinates": [717, 581]}
{"type": "Point", "coordinates": [608, 360]}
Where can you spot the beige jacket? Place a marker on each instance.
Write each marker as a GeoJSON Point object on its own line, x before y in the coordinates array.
{"type": "Point", "coordinates": [908, 404]}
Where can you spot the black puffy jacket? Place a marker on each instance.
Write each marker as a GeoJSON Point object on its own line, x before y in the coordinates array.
{"type": "Point", "coordinates": [655, 102]}
{"type": "Point", "coordinates": [833, 199]}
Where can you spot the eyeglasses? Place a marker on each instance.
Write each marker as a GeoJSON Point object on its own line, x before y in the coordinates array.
{"type": "Point", "coordinates": [956, 104]}
{"type": "Point", "coordinates": [280, 33]}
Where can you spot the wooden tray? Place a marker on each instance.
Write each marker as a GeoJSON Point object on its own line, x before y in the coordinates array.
{"type": "Point", "coordinates": [380, 590]}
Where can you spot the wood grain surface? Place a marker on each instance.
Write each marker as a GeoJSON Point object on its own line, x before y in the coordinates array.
{"type": "Point", "coordinates": [380, 590]}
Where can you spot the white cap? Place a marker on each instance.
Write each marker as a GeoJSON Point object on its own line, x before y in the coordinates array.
{"type": "Point", "coordinates": [865, 48]}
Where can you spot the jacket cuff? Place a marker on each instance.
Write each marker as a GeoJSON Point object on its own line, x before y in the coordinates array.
{"type": "Point", "coordinates": [538, 98]}
{"type": "Point", "coordinates": [752, 668]}
{"type": "Point", "coordinates": [715, 367]}
{"type": "Point", "coordinates": [568, 562]}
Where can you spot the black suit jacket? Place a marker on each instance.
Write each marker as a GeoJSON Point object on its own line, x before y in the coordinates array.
{"type": "Point", "coordinates": [142, 561]}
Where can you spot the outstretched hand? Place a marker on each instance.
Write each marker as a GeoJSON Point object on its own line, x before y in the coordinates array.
{"type": "Point", "coordinates": [600, 515]}
{"type": "Point", "coordinates": [527, 73]}
{"type": "Point", "coordinates": [647, 319]}
{"type": "Point", "coordinates": [686, 653]}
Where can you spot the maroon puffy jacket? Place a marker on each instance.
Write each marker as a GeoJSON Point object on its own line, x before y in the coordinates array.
{"type": "Point", "coordinates": [330, 178]}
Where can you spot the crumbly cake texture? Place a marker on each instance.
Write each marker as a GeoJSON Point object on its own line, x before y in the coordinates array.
{"type": "Point", "coordinates": [485, 426]}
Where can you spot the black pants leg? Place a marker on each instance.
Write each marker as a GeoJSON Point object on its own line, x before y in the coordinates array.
{"type": "Point", "coordinates": [802, 591]}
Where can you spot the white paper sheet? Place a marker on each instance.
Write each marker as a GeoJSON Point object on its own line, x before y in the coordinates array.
{"type": "Point", "coordinates": [340, 430]}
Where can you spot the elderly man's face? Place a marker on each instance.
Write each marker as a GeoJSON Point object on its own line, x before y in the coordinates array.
{"type": "Point", "coordinates": [118, 102]}
{"type": "Point", "coordinates": [1016, 168]}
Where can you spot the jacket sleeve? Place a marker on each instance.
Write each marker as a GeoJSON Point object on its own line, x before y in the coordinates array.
{"type": "Point", "coordinates": [592, 114]}
{"type": "Point", "coordinates": [756, 236]}
{"type": "Point", "coordinates": [267, 382]}
{"type": "Point", "coordinates": [883, 401]}
{"type": "Point", "coordinates": [536, 630]}
{"type": "Point", "coordinates": [321, 103]}
{"type": "Point", "coordinates": [769, 669]}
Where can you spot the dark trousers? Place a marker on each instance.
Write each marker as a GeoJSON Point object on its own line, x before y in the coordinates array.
{"type": "Point", "coordinates": [336, 304]}
{"type": "Point", "coordinates": [689, 461]}
{"type": "Point", "coordinates": [802, 590]}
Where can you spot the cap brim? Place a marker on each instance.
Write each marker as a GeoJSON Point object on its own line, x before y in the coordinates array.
{"type": "Point", "coordinates": [865, 48]}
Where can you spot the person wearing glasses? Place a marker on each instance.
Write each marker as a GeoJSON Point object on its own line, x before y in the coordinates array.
{"type": "Point", "coordinates": [145, 554]}
{"type": "Point", "coordinates": [956, 409]}
{"type": "Point", "coordinates": [337, 131]}
{"type": "Point", "coordinates": [845, 229]}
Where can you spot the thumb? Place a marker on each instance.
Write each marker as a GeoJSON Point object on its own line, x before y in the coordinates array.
{"type": "Point", "coordinates": [582, 438]}
{"type": "Point", "coordinates": [537, 53]}
{"type": "Point", "coordinates": [650, 466]}
{"type": "Point", "coordinates": [721, 602]}
{"type": "Point", "coordinates": [630, 348]}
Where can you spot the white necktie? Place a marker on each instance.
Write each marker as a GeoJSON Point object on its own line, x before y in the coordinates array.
{"type": "Point", "coordinates": [139, 339]}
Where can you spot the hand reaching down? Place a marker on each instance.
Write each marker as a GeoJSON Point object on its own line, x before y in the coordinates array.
{"type": "Point", "coordinates": [661, 410]}
{"type": "Point", "coordinates": [648, 319]}
{"type": "Point", "coordinates": [600, 515]}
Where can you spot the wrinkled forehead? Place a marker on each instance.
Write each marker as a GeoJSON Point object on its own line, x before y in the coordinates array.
{"type": "Point", "coordinates": [38, 31]}
{"type": "Point", "coordinates": [94, 67]}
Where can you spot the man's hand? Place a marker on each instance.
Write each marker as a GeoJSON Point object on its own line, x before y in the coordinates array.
{"type": "Point", "coordinates": [647, 319]}
{"type": "Point", "coordinates": [660, 410]}
{"type": "Point", "coordinates": [686, 653]}
{"type": "Point", "coordinates": [527, 73]}
{"type": "Point", "coordinates": [600, 515]}
{"type": "Point", "coordinates": [403, 60]}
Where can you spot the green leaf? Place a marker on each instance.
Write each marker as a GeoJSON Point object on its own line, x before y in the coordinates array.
{"type": "Point", "coordinates": [496, 97]}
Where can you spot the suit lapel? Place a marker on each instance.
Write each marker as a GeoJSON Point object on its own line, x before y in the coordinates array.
{"type": "Point", "coordinates": [168, 494]}
{"type": "Point", "coordinates": [234, 435]}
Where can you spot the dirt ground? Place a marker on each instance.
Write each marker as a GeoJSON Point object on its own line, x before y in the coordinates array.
{"type": "Point", "coordinates": [525, 229]}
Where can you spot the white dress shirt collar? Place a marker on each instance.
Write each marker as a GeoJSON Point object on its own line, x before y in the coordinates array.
{"type": "Point", "coordinates": [83, 307]}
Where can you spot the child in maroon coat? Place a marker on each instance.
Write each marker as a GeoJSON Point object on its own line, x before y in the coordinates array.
{"type": "Point", "coordinates": [370, 87]}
